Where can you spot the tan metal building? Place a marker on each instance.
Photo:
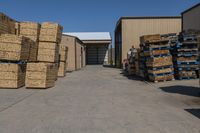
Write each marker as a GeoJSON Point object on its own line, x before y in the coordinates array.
{"type": "Point", "coordinates": [97, 44]}
{"type": "Point", "coordinates": [191, 18]}
{"type": "Point", "coordinates": [129, 29]}
{"type": "Point", "coordinates": [76, 52]}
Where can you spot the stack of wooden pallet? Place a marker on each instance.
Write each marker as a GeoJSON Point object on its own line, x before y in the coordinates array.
{"type": "Point", "coordinates": [62, 62]}
{"type": "Point", "coordinates": [157, 58]}
{"type": "Point", "coordinates": [14, 54]}
{"type": "Point", "coordinates": [185, 57]}
{"type": "Point", "coordinates": [47, 57]}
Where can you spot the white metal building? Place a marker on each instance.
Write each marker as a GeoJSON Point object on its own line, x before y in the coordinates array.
{"type": "Point", "coordinates": [97, 44]}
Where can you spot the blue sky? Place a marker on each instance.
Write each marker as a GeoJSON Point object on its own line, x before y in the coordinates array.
{"type": "Point", "coordinates": [90, 15]}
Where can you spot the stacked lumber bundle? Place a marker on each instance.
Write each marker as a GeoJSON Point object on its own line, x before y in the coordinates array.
{"type": "Point", "coordinates": [49, 40]}
{"type": "Point", "coordinates": [14, 54]}
{"type": "Point", "coordinates": [63, 58]}
{"type": "Point", "coordinates": [32, 31]}
{"type": "Point", "coordinates": [51, 32]}
{"type": "Point", "coordinates": [14, 48]}
{"type": "Point", "coordinates": [185, 57]}
{"type": "Point", "coordinates": [156, 58]}
{"type": "Point", "coordinates": [7, 25]}
{"type": "Point", "coordinates": [12, 75]}
{"type": "Point", "coordinates": [40, 75]}
{"type": "Point", "coordinates": [47, 57]}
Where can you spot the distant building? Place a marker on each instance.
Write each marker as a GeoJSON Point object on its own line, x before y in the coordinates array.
{"type": "Point", "coordinates": [129, 29]}
{"type": "Point", "coordinates": [191, 18]}
{"type": "Point", "coordinates": [97, 44]}
{"type": "Point", "coordinates": [76, 52]}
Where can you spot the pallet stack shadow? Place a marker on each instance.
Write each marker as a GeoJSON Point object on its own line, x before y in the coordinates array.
{"type": "Point", "coordinates": [14, 55]}
{"type": "Point", "coordinates": [43, 73]}
{"type": "Point", "coordinates": [63, 51]}
{"type": "Point", "coordinates": [185, 57]}
{"type": "Point", "coordinates": [155, 59]}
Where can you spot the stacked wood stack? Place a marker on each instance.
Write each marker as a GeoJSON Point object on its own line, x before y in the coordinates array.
{"type": "Point", "coordinates": [157, 59]}
{"type": "Point", "coordinates": [14, 54]}
{"type": "Point", "coordinates": [32, 31]}
{"type": "Point", "coordinates": [185, 57]}
{"type": "Point", "coordinates": [63, 59]}
{"type": "Point", "coordinates": [40, 75]}
{"type": "Point", "coordinates": [7, 25]}
{"type": "Point", "coordinates": [47, 57]}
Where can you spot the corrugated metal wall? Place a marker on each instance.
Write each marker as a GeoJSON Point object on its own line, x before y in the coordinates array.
{"type": "Point", "coordinates": [76, 53]}
{"type": "Point", "coordinates": [70, 43]}
{"type": "Point", "coordinates": [132, 29]}
{"type": "Point", "coordinates": [191, 19]}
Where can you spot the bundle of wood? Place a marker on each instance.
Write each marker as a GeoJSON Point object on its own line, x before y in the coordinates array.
{"type": "Point", "coordinates": [7, 25]}
{"type": "Point", "coordinates": [32, 31]}
{"type": "Point", "coordinates": [63, 58]}
{"type": "Point", "coordinates": [14, 54]}
{"type": "Point", "coordinates": [40, 75]}
{"type": "Point", "coordinates": [12, 75]}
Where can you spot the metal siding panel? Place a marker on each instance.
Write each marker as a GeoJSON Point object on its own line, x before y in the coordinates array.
{"type": "Point", "coordinates": [70, 43]}
{"type": "Point", "coordinates": [132, 29]}
{"type": "Point", "coordinates": [191, 19]}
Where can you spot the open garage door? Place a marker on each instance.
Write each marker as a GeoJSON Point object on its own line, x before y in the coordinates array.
{"type": "Point", "coordinates": [97, 54]}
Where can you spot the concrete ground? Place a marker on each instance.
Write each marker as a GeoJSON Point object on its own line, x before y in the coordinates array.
{"type": "Point", "coordinates": [102, 100]}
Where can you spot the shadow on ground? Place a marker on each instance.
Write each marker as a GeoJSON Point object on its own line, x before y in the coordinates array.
{"type": "Point", "coordinates": [195, 112]}
{"type": "Point", "coordinates": [183, 90]}
{"type": "Point", "coordinates": [131, 77]}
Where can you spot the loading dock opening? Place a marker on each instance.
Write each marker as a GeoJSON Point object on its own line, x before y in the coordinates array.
{"type": "Point", "coordinates": [97, 45]}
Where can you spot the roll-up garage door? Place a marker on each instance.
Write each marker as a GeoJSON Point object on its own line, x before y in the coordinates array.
{"type": "Point", "coordinates": [96, 54]}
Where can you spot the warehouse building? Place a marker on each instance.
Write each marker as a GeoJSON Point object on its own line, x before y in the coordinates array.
{"type": "Point", "coordinates": [97, 44]}
{"type": "Point", "coordinates": [129, 29]}
{"type": "Point", "coordinates": [76, 52]}
{"type": "Point", "coordinates": [191, 18]}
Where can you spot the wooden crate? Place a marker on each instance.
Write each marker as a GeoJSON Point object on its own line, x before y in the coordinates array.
{"type": "Point", "coordinates": [159, 61]}
{"type": "Point", "coordinates": [30, 30]}
{"type": "Point", "coordinates": [14, 48]}
{"type": "Point", "coordinates": [63, 52]}
{"type": "Point", "coordinates": [50, 32]}
{"type": "Point", "coordinates": [12, 75]}
{"type": "Point", "coordinates": [62, 69]}
{"type": "Point", "coordinates": [40, 75]}
{"type": "Point", "coordinates": [150, 38]}
{"type": "Point", "coordinates": [48, 52]}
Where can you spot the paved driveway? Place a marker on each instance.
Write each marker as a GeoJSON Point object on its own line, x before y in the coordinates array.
{"type": "Point", "coordinates": [102, 100]}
